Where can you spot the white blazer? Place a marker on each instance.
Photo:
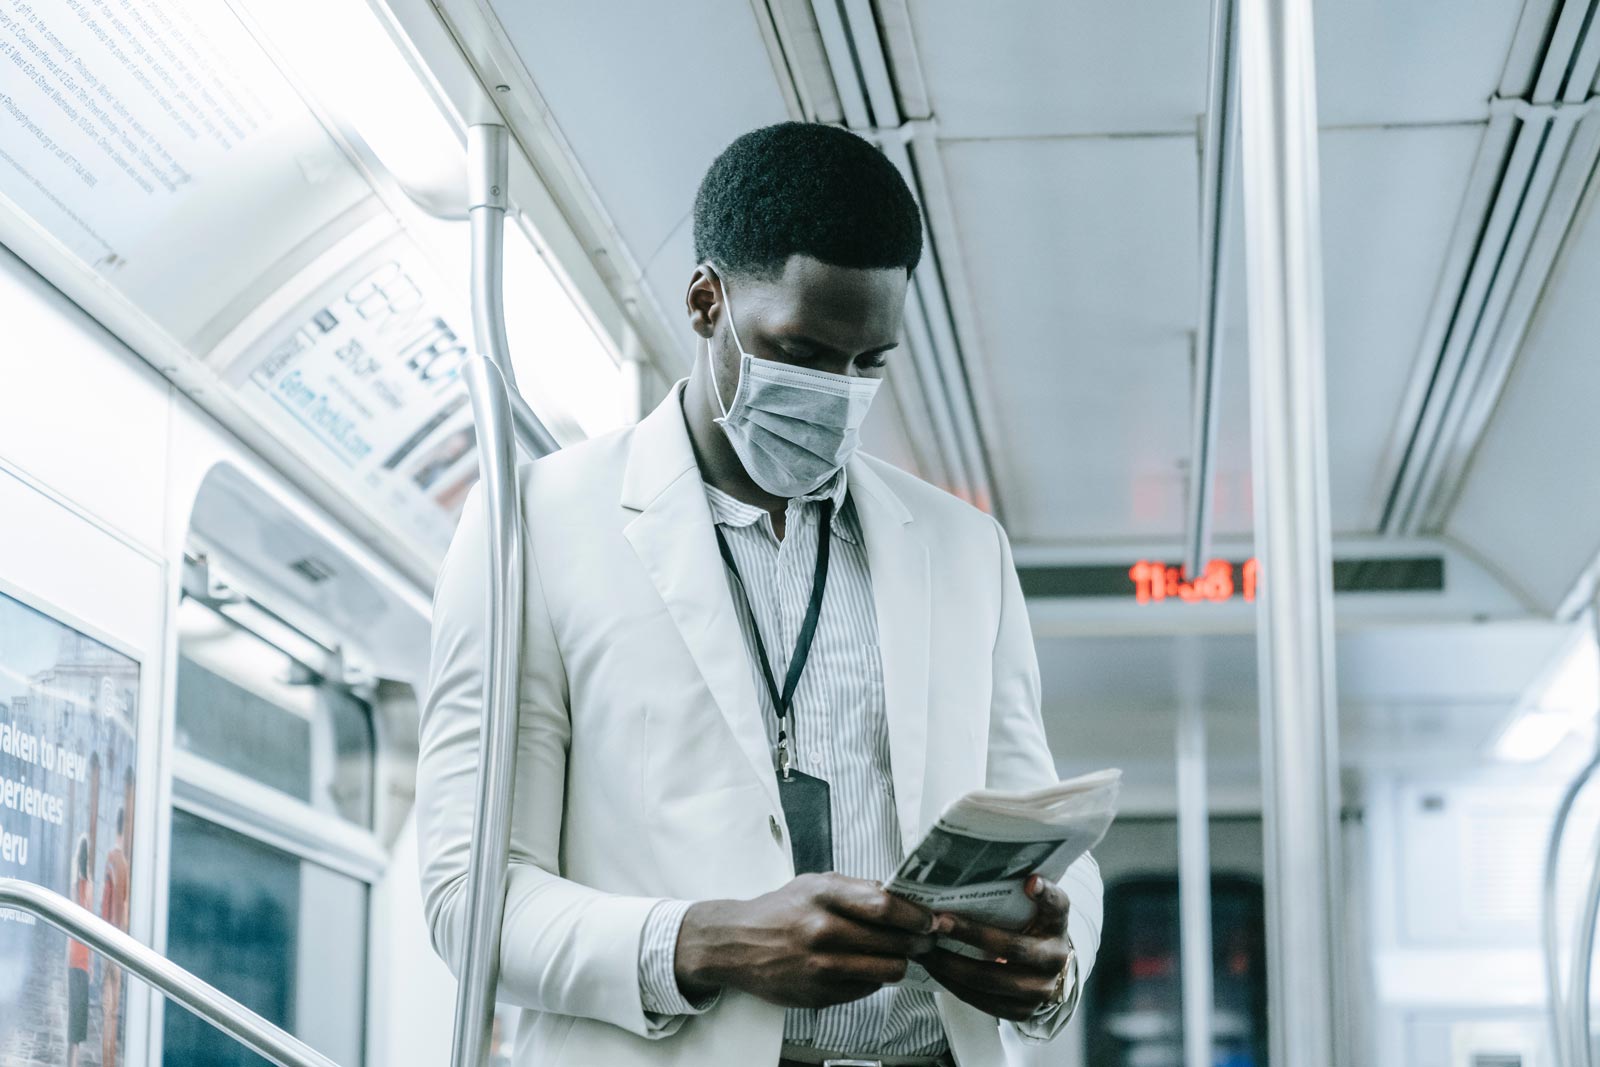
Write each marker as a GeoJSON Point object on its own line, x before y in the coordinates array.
{"type": "Point", "coordinates": [643, 770]}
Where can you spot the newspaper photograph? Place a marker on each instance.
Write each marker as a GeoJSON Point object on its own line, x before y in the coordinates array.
{"type": "Point", "coordinates": [977, 855]}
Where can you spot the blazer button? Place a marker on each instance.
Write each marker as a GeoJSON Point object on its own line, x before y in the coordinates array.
{"type": "Point", "coordinates": [777, 831]}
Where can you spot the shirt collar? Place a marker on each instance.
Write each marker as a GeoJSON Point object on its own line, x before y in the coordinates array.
{"type": "Point", "coordinates": [728, 510]}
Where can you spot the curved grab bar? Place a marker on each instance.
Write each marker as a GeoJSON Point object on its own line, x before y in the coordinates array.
{"type": "Point", "coordinates": [1559, 1025]}
{"type": "Point", "coordinates": [1580, 1044]}
{"type": "Point", "coordinates": [177, 984]}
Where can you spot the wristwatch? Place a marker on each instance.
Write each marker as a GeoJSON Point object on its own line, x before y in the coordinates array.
{"type": "Point", "coordinates": [1065, 994]}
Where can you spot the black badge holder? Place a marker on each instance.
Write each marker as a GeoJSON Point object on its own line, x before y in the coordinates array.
{"type": "Point", "coordinates": [805, 797]}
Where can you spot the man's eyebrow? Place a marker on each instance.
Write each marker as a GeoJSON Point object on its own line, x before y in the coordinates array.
{"type": "Point", "coordinates": [812, 342]}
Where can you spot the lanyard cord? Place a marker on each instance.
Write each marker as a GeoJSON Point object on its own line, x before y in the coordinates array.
{"type": "Point", "coordinates": [783, 702]}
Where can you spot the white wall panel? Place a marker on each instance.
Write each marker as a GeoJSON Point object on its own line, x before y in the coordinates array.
{"type": "Point", "coordinates": [79, 412]}
{"type": "Point", "coordinates": [67, 562]}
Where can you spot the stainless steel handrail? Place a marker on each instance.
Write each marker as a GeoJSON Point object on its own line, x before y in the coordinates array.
{"type": "Point", "coordinates": [177, 984]}
{"type": "Point", "coordinates": [536, 440]}
{"type": "Point", "coordinates": [490, 384]}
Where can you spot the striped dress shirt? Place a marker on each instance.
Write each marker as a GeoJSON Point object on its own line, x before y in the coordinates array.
{"type": "Point", "coordinates": [840, 734]}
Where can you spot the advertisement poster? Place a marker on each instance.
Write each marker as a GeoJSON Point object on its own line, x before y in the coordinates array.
{"type": "Point", "coordinates": [67, 758]}
{"type": "Point", "coordinates": [368, 375]}
{"type": "Point", "coordinates": [133, 129]}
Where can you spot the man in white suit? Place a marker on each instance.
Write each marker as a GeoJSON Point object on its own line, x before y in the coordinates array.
{"type": "Point", "coordinates": [757, 666]}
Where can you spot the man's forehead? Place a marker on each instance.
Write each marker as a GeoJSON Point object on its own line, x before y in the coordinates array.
{"type": "Point", "coordinates": [854, 307]}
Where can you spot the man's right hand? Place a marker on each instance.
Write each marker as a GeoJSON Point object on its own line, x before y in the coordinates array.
{"type": "Point", "coordinates": [822, 939]}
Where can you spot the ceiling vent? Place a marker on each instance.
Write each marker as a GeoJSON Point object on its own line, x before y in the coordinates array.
{"type": "Point", "coordinates": [312, 570]}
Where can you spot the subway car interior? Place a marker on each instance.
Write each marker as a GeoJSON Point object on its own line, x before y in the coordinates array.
{"type": "Point", "coordinates": [1266, 329]}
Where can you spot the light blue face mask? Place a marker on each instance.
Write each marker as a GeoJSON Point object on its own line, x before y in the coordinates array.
{"type": "Point", "coordinates": [793, 428]}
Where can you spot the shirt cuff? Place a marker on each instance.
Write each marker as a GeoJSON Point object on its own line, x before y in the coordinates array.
{"type": "Point", "coordinates": [658, 954]}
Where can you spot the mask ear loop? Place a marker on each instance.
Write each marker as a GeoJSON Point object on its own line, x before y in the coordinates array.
{"type": "Point", "coordinates": [711, 367]}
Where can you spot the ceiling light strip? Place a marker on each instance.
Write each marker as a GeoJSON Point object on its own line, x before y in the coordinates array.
{"type": "Point", "coordinates": [1532, 198]}
{"type": "Point", "coordinates": [925, 366]}
{"type": "Point", "coordinates": [866, 88]}
{"type": "Point", "coordinates": [841, 58]}
{"type": "Point", "coordinates": [1469, 419]}
{"type": "Point", "coordinates": [1469, 309]}
{"type": "Point", "coordinates": [1512, 268]}
{"type": "Point", "coordinates": [867, 46]}
{"type": "Point", "coordinates": [1476, 202]}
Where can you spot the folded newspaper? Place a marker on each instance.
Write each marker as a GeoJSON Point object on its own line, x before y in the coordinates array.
{"type": "Point", "coordinates": [977, 856]}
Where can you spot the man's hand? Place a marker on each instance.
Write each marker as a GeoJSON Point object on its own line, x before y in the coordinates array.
{"type": "Point", "coordinates": [1023, 967]}
{"type": "Point", "coordinates": [822, 939]}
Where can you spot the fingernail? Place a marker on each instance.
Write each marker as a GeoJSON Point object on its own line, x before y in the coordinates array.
{"type": "Point", "coordinates": [943, 924]}
{"type": "Point", "coordinates": [1035, 885]}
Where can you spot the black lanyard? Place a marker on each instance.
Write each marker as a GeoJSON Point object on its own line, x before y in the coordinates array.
{"type": "Point", "coordinates": [783, 702]}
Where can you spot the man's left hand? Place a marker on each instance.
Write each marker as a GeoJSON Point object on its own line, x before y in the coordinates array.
{"type": "Point", "coordinates": [1022, 973]}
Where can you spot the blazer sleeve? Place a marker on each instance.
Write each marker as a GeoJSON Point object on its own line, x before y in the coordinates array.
{"type": "Point", "coordinates": [566, 948]}
{"type": "Point", "coordinates": [1020, 759]}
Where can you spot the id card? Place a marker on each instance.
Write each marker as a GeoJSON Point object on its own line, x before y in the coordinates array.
{"type": "Point", "coordinates": [807, 810]}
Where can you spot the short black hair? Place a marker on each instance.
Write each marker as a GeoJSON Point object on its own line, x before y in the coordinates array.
{"type": "Point", "coordinates": [802, 188]}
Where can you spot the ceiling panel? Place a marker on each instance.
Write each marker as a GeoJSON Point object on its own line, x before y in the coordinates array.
{"type": "Point", "coordinates": [1081, 255]}
{"type": "Point", "coordinates": [1528, 503]}
{"type": "Point", "coordinates": [1047, 68]}
{"type": "Point", "coordinates": [1080, 260]}
{"type": "Point", "coordinates": [1390, 200]}
{"type": "Point", "coordinates": [1410, 61]}
{"type": "Point", "coordinates": [646, 95]}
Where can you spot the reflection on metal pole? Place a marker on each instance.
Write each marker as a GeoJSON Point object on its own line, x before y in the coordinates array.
{"type": "Point", "coordinates": [1579, 1044]}
{"type": "Point", "coordinates": [491, 393]}
{"type": "Point", "coordinates": [1216, 195]}
{"type": "Point", "coordinates": [1557, 1003]}
{"type": "Point", "coordinates": [1194, 868]}
{"type": "Point", "coordinates": [1283, 255]}
{"type": "Point", "coordinates": [487, 167]}
{"type": "Point", "coordinates": [1578, 1048]}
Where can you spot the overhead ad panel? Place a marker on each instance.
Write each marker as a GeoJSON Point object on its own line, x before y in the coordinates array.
{"type": "Point", "coordinates": [173, 163]}
{"type": "Point", "coordinates": [366, 373]}
{"type": "Point", "coordinates": [161, 146]}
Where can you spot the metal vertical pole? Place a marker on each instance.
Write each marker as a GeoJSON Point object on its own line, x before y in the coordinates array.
{"type": "Point", "coordinates": [491, 394]}
{"type": "Point", "coordinates": [1194, 881]}
{"type": "Point", "coordinates": [1218, 164]}
{"type": "Point", "coordinates": [1290, 456]}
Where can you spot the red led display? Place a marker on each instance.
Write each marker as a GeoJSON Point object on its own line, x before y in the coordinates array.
{"type": "Point", "coordinates": [1220, 582]}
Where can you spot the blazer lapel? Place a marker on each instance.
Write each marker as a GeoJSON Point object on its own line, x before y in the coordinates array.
{"type": "Point", "coordinates": [898, 559]}
{"type": "Point", "coordinates": [674, 539]}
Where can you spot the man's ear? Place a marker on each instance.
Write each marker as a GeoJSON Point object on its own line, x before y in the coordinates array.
{"type": "Point", "coordinates": [703, 301]}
